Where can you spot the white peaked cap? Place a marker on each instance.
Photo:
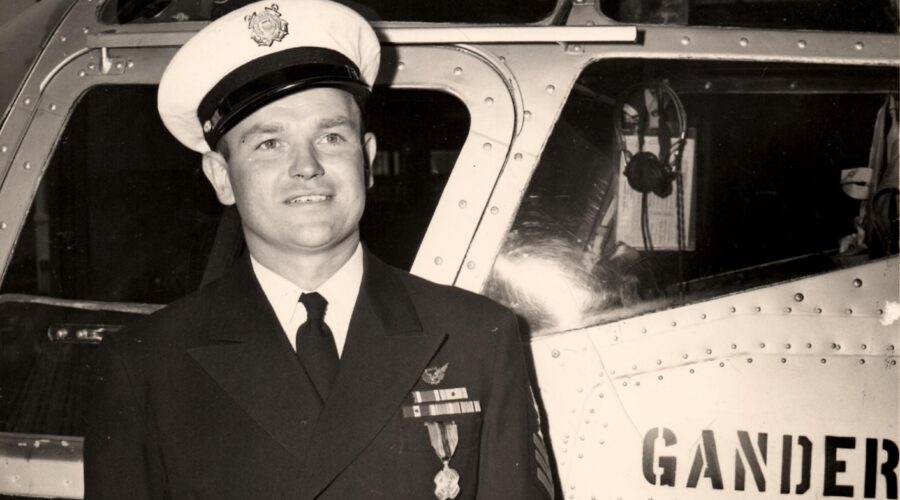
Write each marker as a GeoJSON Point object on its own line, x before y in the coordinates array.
{"type": "Point", "coordinates": [257, 54]}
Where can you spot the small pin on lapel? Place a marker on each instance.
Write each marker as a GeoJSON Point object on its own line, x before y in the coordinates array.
{"type": "Point", "coordinates": [435, 374]}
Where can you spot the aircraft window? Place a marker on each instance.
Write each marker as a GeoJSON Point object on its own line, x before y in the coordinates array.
{"type": "Point", "coordinates": [124, 214]}
{"type": "Point", "coordinates": [879, 16]}
{"type": "Point", "coordinates": [762, 175]}
{"type": "Point", "coordinates": [132, 219]}
{"type": "Point", "coordinates": [469, 11]}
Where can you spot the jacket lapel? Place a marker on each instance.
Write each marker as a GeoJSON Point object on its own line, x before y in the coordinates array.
{"type": "Point", "coordinates": [249, 356]}
{"type": "Point", "coordinates": [385, 353]}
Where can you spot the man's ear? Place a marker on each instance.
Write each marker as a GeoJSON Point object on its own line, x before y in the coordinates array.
{"type": "Point", "coordinates": [215, 167]}
{"type": "Point", "coordinates": [370, 146]}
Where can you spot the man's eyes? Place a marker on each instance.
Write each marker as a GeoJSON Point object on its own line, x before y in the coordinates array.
{"type": "Point", "coordinates": [332, 138]}
{"type": "Point", "coordinates": [268, 144]}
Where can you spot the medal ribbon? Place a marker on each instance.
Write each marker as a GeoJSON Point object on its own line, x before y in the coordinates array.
{"type": "Point", "coordinates": [444, 438]}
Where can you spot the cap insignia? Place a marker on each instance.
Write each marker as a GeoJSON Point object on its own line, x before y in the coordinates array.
{"type": "Point", "coordinates": [267, 27]}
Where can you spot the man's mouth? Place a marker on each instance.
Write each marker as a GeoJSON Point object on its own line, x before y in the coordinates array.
{"type": "Point", "coordinates": [308, 198]}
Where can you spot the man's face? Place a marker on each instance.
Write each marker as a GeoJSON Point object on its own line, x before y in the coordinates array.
{"type": "Point", "coordinates": [296, 171]}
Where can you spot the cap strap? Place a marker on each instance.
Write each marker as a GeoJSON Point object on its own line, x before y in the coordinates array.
{"type": "Point", "coordinates": [268, 78]}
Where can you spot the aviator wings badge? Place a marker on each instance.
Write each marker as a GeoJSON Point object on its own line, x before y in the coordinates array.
{"type": "Point", "coordinates": [267, 27]}
{"type": "Point", "coordinates": [435, 374]}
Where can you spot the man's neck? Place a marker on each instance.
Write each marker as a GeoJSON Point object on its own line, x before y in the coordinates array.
{"type": "Point", "coordinates": [307, 270]}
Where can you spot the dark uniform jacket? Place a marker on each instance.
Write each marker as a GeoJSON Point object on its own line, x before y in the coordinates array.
{"type": "Point", "coordinates": [207, 400]}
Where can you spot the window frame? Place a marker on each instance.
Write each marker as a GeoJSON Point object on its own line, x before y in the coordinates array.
{"type": "Point", "coordinates": [598, 11]}
{"type": "Point", "coordinates": [549, 78]}
{"type": "Point", "coordinates": [464, 73]}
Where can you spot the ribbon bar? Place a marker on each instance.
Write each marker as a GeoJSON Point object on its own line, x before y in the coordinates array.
{"type": "Point", "coordinates": [440, 395]}
{"type": "Point", "coordinates": [438, 409]}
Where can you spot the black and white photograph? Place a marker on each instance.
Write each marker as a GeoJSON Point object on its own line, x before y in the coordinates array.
{"type": "Point", "coordinates": [471, 250]}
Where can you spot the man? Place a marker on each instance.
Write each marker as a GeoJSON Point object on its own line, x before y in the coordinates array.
{"type": "Point", "coordinates": [310, 369]}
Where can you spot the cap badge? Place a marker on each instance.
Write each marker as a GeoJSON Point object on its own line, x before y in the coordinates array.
{"type": "Point", "coordinates": [267, 27]}
{"type": "Point", "coordinates": [435, 374]}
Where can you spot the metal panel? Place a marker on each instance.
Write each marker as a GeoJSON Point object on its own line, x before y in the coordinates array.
{"type": "Point", "coordinates": [816, 357]}
{"type": "Point", "coordinates": [492, 120]}
{"type": "Point", "coordinates": [25, 26]}
{"type": "Point", "coordinates": [41, 466]}
{"type": "Point", "coordinates": [544, 74]}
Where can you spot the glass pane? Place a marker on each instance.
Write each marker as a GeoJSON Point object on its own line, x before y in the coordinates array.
{"type": "Point", "coordinates": [762, 170]}
{"type": "Point", "coordinates": [123, 213]}
{"type": "Point", "coordinates": [132, 218]}
{"type": "Point", "coordinates": [879, 16]}
{"type": "Point", "coordinates": [467, 11]}
{"type": "Point", "coordinates": [420, 134]}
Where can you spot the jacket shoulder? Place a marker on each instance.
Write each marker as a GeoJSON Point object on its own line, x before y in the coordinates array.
{"type": "Point", "coordinates": [165, 328]}
{"type": "Point", "coordinates": [452, 303]}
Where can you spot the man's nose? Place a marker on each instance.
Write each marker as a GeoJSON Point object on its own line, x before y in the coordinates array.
{"type": "Point", "coordinates": [305, 165]}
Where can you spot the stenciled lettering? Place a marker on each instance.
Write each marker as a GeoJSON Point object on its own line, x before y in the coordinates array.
{"type": "Point", "coordinates": [707, 460]}
{"type": "Point", "coordinates": [660, 460]}
{"type": "Point", "coordinates": [787, 459]}
{"type": "Point", "coordinates": [753, 461]}
{"type": "Point", "coordinates": [833, 466]}
{"type": "Point", "coordinates": [666, 463]}
{"type": "Point", "coordinates": [888, 468]}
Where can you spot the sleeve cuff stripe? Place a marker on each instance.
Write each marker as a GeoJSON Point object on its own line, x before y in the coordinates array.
{"type": "Point", "coordinates": [539, 447]}
{"type": "Point", "coordinates": [545, 482]}
{"type": "Point", "coordinates": [542, 462]}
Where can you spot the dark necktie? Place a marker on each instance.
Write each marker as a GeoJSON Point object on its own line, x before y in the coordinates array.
{"type": "Point", "coordinates": [315, 344]}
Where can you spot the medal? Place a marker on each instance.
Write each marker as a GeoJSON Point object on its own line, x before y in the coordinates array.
{"type": "Point", "coordinates": [446, 483]}
{"type": "Point", "coordinates": [444, 438]}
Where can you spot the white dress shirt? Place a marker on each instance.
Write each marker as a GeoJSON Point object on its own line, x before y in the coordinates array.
{"type": "Point", "coordinates": [340, 290]}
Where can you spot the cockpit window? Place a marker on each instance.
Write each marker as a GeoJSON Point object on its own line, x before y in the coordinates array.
{"type": "Point", "coordinates": [786, 171]}
{"type": "Point", "coordinates": [877, 16]}
{"type": "Point", "coordinates": [465, 11]}
{"type": "Point", "coordinates": [131, 218]}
